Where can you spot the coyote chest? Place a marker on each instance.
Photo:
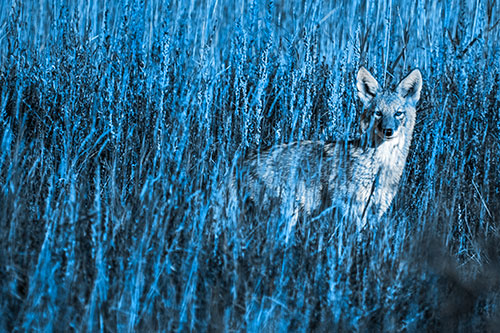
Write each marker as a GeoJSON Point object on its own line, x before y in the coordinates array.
{"type": "Point", "coordinates": [371, 179]}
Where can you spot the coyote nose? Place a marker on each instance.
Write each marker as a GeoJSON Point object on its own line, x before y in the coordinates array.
{"type": "Point", "coordinates": [388, 131]}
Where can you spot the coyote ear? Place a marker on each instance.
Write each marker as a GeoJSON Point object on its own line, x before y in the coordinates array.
{"type": "Point", "coordinates": [367, 86]}
{"type": "Point", "coordinates": [409, 88]}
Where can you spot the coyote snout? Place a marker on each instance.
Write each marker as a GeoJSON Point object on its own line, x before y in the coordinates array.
{"type": "Point", "coordinates": [358, 178]}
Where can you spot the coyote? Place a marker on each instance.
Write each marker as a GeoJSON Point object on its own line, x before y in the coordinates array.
{"type": "Point", "coordinates": [357, 179]}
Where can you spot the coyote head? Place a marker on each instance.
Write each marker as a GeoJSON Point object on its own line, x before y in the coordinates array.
{"type": "Point", "coordinates": [387, 114]}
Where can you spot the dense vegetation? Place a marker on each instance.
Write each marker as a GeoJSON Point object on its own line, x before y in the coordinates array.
{"type": "Point", "coordinates": [121, 122]}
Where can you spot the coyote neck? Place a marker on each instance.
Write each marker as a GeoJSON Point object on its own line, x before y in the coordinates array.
{"type": "Point", "coordinates": [371, 172]}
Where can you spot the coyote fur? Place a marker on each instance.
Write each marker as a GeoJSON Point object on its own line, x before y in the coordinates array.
{"type": "Point", "coordinates": [357, 178]}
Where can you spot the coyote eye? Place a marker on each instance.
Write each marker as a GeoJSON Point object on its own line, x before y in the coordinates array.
{"type": "Point", "coordinates": [378, 114]}
{"type": "Point", "coordinates": [398, 114]}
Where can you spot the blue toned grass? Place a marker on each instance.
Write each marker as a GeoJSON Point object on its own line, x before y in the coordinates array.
{"type": "Point", "coordinates": [121, 120]}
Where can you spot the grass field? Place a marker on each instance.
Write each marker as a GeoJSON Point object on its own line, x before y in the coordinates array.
{"type": "Point", "coordinates": [121, 122]}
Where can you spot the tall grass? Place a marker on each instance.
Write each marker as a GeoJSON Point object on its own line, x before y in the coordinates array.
{"type": "Point", "coordinates": [121, 122]}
